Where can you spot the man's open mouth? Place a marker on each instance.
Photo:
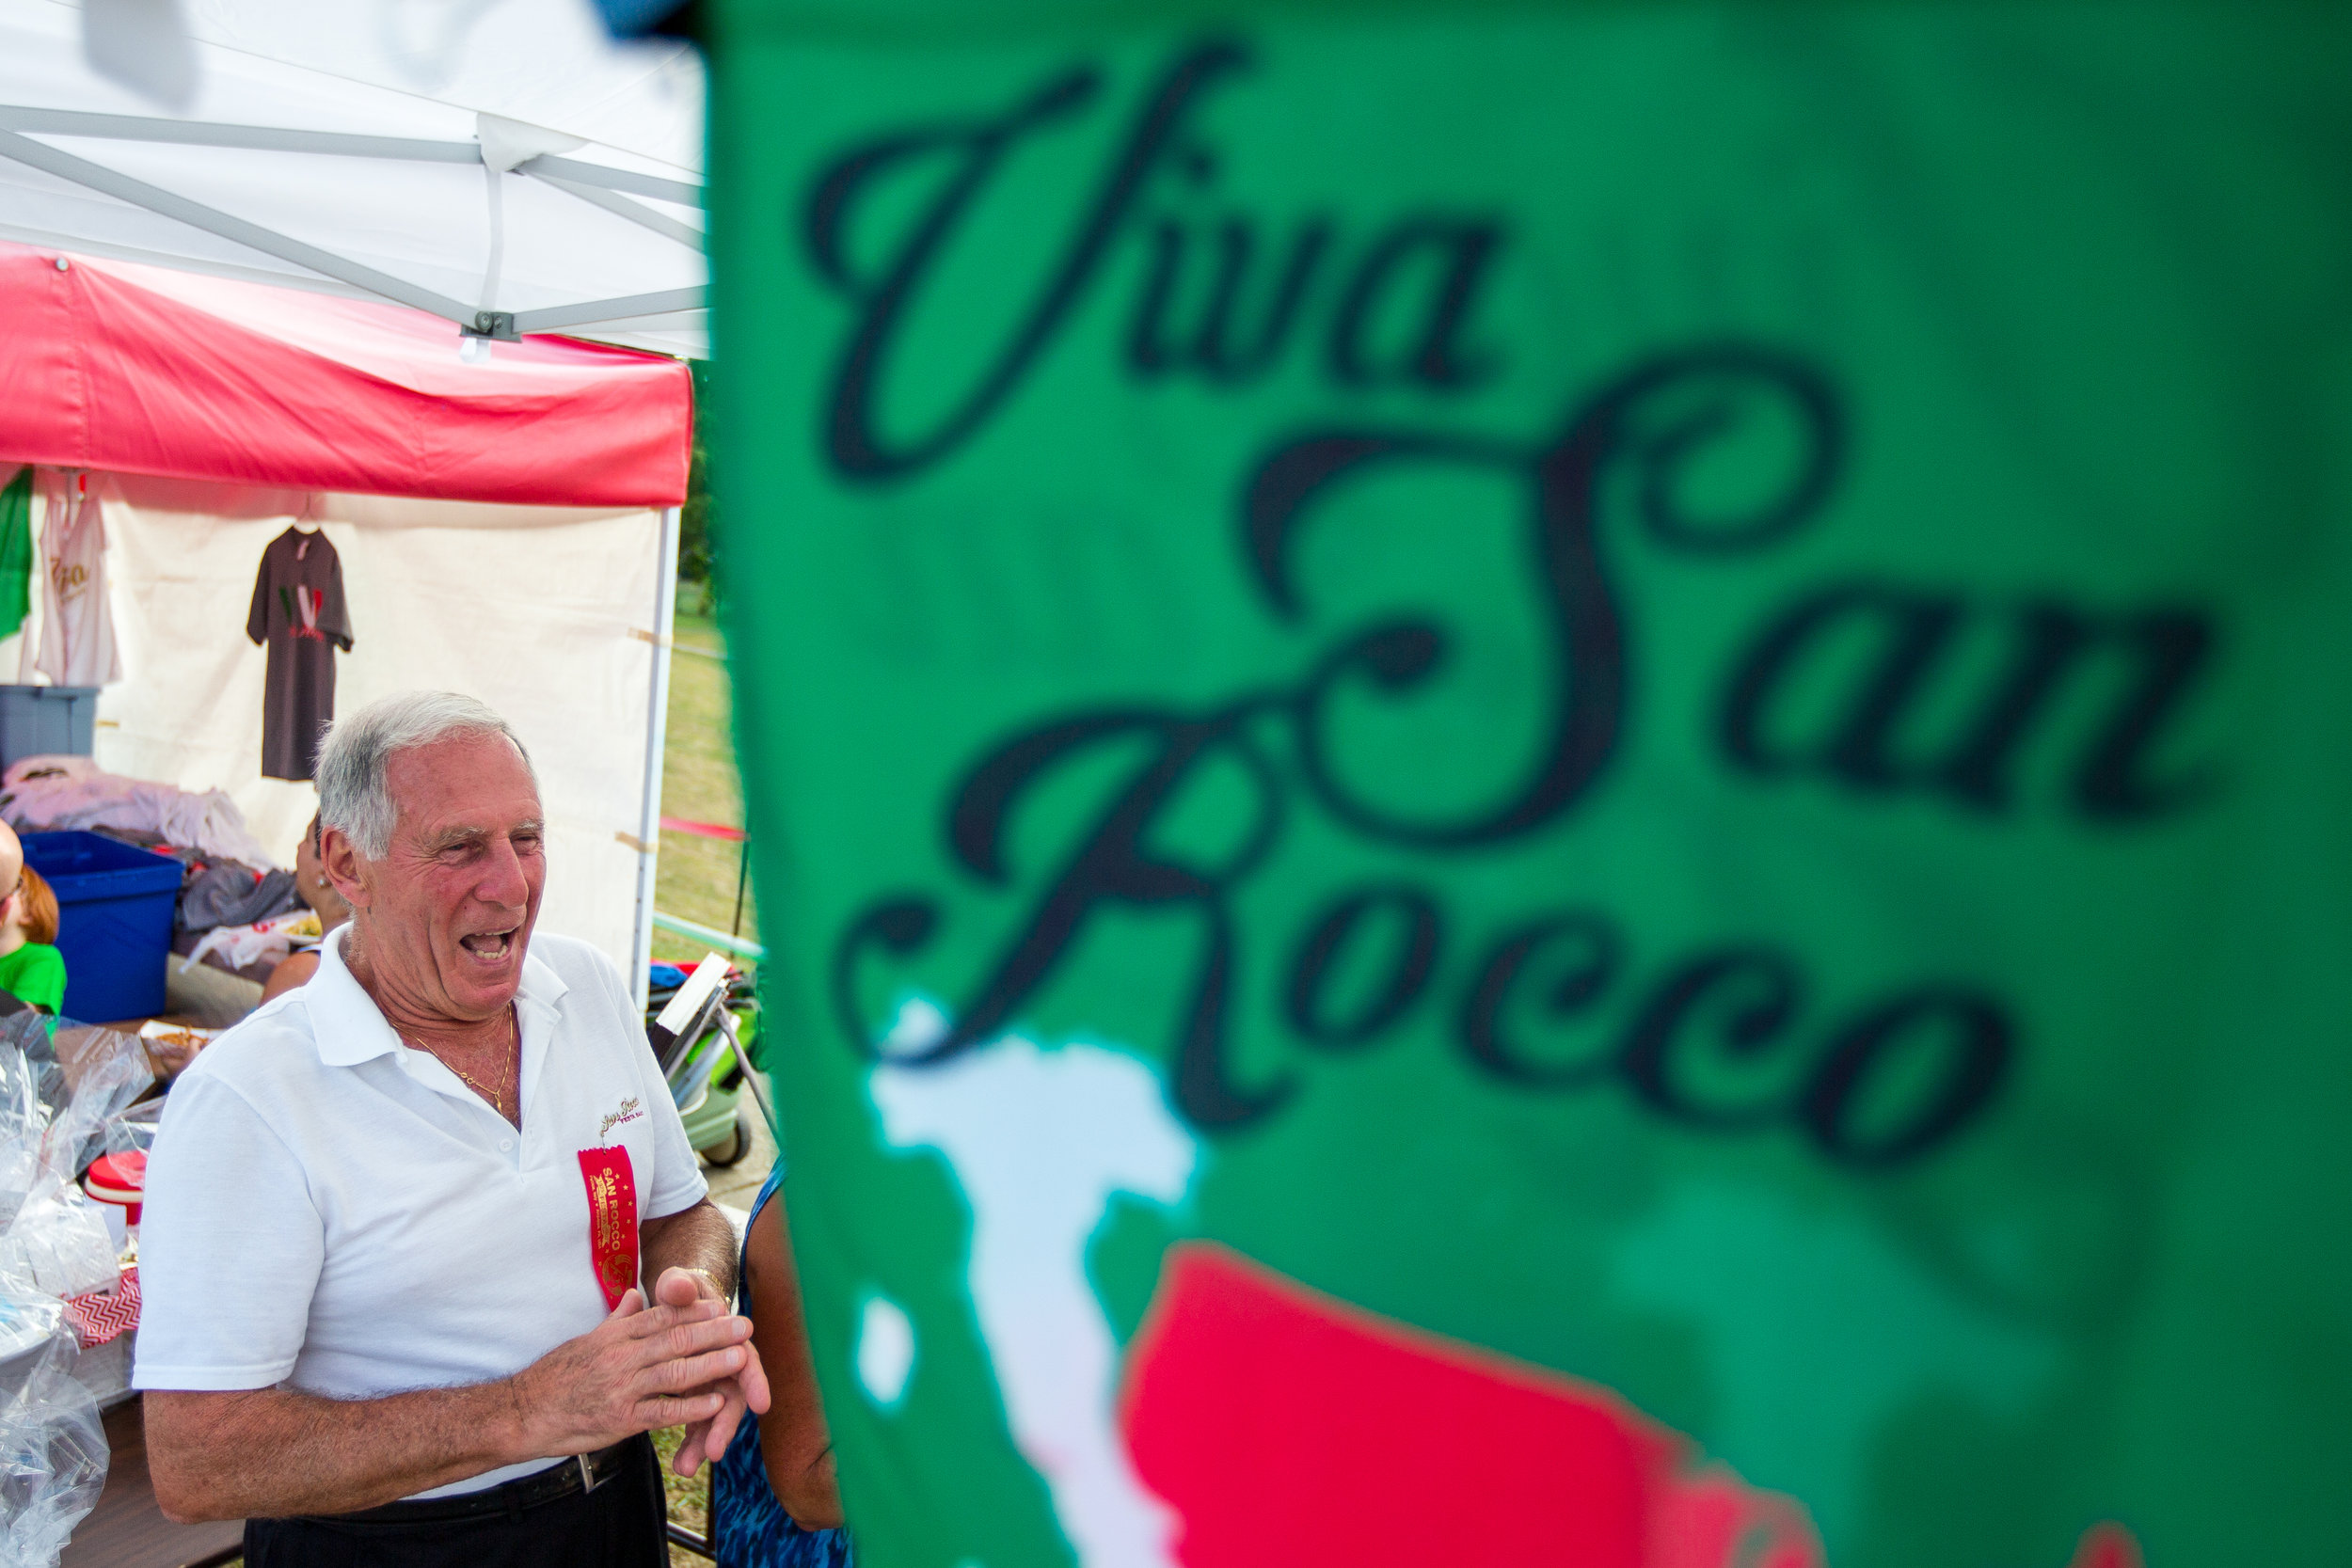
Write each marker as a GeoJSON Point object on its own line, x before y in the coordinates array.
{"type": "Point", "coordinates": [489, 946]}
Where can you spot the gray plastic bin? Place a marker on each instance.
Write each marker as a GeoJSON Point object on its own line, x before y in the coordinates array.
{"type": "Point", "coordinates": [46, 720]}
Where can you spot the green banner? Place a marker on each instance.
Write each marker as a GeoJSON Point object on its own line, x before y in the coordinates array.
{"type": "Point", "coordinates": [1554, 785]}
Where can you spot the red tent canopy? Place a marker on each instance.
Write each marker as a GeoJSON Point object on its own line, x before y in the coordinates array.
{"type": "Point", "coordinates": [131, 368]}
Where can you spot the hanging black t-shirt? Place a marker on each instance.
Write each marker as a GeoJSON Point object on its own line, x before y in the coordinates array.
{"type": "Point", "coordinates": [298, 611]}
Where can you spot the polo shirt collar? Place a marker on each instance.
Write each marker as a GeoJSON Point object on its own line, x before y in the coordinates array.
{"type": "Point", "coordinates": [349, 1028]}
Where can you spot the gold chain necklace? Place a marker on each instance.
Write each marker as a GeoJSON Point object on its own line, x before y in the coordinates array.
{"type": "Point", "coordinates": [495, 1097]}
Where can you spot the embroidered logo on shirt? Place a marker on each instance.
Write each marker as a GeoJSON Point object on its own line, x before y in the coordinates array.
{"type": "Point", "coordinates": [629, 1112]}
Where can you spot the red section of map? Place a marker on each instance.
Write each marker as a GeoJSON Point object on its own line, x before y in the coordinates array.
{"type": "Point", "coordinates": [1293, 1431]}
{"type": "Point", "coordinates": [2107, 1546]}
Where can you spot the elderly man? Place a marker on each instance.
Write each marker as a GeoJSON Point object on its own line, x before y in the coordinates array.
{"type": "Point", "coordinates": [397, 1219]}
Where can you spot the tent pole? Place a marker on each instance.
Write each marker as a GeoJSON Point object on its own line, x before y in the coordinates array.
{"type": "Point", "coordinates": [621, 206]}
{"type": "Point", "coordinates": [170, 204]}
{"type": "Point", "coordinates": [554, 318]}
{"type": "Point", "coordinates": [270, 138]}
{"type": "Point", "coordinates": [657, 734]}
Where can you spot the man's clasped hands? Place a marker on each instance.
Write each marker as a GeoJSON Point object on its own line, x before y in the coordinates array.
{"type": "Point", "coordinates": [684, 1359]}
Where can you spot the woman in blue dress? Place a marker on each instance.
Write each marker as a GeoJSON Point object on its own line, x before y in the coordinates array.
{"type": "Point", "coordinates": [774, 1499]}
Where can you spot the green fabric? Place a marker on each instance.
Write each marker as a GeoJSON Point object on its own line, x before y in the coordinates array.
{"type": "Point", "coordinates": [16, 552]}
{"type": "Point", "coordinates": [35, 975]}
{"type": "Point", "coordinates": [1722, 769]}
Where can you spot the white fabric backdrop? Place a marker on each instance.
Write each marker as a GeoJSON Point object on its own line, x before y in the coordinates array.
{"type": "Point", "coordinates": [530, 609]}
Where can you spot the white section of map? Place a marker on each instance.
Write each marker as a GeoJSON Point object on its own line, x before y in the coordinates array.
{"type": "Point", "coordinates": [1040, 1140]}
{"type": "Point", "coordinates": [885, 1350]}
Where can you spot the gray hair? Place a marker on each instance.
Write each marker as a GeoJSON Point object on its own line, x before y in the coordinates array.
{"type": "Point", "coordinates": [354, 758]}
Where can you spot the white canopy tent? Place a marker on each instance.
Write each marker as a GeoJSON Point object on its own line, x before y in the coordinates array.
{"type": "Point", "coordinates": [503, 164]}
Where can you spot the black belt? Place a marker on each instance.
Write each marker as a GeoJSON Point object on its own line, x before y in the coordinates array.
{"type": "Point", "coordinates": [580, 1473]}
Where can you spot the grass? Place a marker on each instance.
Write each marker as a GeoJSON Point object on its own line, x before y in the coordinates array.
{"type": "Point", "coordinates": [697, 877]}
{"type": "Point", "coordinates": [696, 880]}
{"type": "Point", "coordinates": [690, 1500]}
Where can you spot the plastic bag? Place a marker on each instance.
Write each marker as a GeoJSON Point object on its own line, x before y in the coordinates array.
{"type": "Point", "coordinates": [53, 1448]}
{"type": "Point", "coordinates": [62, 1101]}
{"type": "Point", "coordinates": [134, 1131]}
{"type": "Point", "coordinates": [24, 1123]}
{"type": "Point", "coordinates": [59, 1245]}
{"type": "Point", "coordinates": [61, 1083]}
{"type": "Point", "coordinates": [58, 1097]}
{"type": "Point", "coordinates": [99, 1073]}
{"type": "Point", "coordinates": [242, 946]}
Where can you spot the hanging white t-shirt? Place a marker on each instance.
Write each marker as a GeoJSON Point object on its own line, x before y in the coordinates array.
{"type": "Point", "coordinates": [77, 624]}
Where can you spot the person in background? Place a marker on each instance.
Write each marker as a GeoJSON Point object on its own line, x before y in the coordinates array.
{"type": "Point", "coordinates": [774, 1499]}
{"type": "Point", "coordinates": [316, 891]}
{"type": "Point", "coordinates": [31, 968]}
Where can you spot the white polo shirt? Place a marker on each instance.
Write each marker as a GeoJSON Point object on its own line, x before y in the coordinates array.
{"type": "Point", "coordinates": [329, 1208]}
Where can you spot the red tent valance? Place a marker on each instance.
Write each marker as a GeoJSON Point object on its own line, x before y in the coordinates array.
{"type": "Point", "coordinates": [139, 370]}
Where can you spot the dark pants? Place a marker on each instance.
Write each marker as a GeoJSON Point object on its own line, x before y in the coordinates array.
{"type": "Point", "coordinates": [619, 1525]}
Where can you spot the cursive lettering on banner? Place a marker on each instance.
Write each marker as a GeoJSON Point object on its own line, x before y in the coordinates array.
{"type": "Point", "coordinates": [1857, 683]}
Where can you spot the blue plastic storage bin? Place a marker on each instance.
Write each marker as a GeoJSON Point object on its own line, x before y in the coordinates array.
{"type": "Point", "coordinates": [115, 903]}
{"type": "Point", "coordinates": [46, 720]}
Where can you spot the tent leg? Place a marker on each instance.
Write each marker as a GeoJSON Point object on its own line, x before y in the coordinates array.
{"type": "Point", "coordinates": [742, 880]}
{"type": "Point", "coordinates": [657, 734]}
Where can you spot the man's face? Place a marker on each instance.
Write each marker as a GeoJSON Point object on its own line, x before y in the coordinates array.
{"type": "Point", "coordinates": [447, 913]}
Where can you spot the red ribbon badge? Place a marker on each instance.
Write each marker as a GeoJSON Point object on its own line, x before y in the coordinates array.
{"type": "Point", "coordinates": [612, 1219]}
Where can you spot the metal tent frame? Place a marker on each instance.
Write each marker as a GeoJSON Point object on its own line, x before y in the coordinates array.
{"type": "Point", "coordinates": [597, 185]}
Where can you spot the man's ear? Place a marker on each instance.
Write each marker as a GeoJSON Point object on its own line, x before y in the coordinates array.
{"type": "Point", "coordinates": [340, 862]}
